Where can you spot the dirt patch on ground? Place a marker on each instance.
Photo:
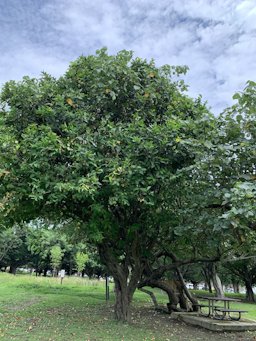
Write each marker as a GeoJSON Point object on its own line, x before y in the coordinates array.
{"type": "Point", "coordinates": [22, 305]}
{"type": "Point", "coordinates": [180, 331]}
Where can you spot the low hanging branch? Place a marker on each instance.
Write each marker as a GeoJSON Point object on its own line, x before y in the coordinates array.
{"type": "Point", "coordinates": [177, 291]}
{"type": "Point", "coordinates": [171, 290]}
{"type": "Point", "coordinates": [227, 260]}
{"type": "Point", "coordinates": [153, 297]}
{"type": "Point", "coordinates": [159, 271]}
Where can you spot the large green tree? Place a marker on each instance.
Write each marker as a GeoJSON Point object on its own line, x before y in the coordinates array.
{"type": "Point", "coordinates": [100, 148]}
{"type": "Point", "coordinates": [212, 218]}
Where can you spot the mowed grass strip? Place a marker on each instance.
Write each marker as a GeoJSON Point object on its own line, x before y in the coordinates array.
{"type": "Point", "coordinates": [37, 308]}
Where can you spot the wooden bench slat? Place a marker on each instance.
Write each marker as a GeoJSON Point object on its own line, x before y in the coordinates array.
{"type": "Point", "coordinates": [231, 310]}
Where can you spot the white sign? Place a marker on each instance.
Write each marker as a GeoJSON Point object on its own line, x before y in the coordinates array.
{"type": "Point", "coordinates": [62, 273]}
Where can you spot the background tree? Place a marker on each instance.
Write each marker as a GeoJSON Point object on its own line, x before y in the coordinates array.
{"type": "Point", "coordinates": [81, 259]}
{"type": "Point", "coordinates": [56, 254]}
{"type": "Point", "coordinates": [40, 240]}
{"type": "Point", "coordinates": [243, 271]}
{"type": "Point", "coordinates": [214, 212]}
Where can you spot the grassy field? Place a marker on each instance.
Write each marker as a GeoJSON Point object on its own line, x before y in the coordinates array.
{"type": "Point", "coordinates": [41, 309]}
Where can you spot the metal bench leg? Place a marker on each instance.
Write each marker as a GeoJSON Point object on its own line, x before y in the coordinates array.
{"type": "Point", "coordinates": [235, 318]}
{"type": "Point", "coordinates": [203, 314]}
{"type": "Point", "coordinates": [220, 317]}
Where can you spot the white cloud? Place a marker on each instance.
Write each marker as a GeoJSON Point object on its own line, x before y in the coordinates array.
{"type": "Point", "coordinates": [29, 61]}
{"type": "Point", "coordinates": [87, 25]}
{"type": "Point", "coordinates": [215, 38]}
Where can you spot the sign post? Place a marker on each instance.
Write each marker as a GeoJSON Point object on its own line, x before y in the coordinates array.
{"type": "Point", "coordinates": [62, 275]}
{"type": "Point", "coordinates": [107, 288]}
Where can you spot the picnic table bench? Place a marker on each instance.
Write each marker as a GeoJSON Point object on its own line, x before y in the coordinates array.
{"type": "Point", "coordinates": [220, 312]}
{"type": "Point", "coordinates": [226, 312]}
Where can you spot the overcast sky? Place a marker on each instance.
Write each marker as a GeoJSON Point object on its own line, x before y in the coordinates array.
{"type": "Point", "coordinates": [215, 38]}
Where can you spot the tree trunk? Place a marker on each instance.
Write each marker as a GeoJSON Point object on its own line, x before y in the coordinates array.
{"type": "Point", "coordinates": [206, 273]}
{"type": "Point", "coordinates": [122, 304]}
{"type": "Point", "coordinates": [235, 287]}
{"type": "Point", "coordinates": [70, 266]}
{"type": "Point", "coordinates": [192, 299]}
{"type": "Point", "coordinates": [195, 285]}
{"type": "Point", "coordinates": [218, 285]}
{"type": "Point", "coordinates": [249, 291]}
{"type": "Point", "coordinates": [125, 287]}
{"type": "Point", "coordinates": [125, 281]}
{"type": "Point", "coordinates": [206, 286]}
{"type": "Point", "coordinates": [216, 282]}
{"type": "Point", "coordinates": [13, 269]}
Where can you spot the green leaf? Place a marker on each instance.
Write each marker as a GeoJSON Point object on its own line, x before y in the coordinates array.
{"type": "Point", "coordinates": [236, 96]}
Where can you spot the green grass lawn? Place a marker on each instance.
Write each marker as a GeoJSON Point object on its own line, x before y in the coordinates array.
{"type": "Point", "coordinates": [36, 308]}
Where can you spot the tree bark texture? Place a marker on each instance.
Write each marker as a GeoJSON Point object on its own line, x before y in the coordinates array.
{"type": "Point", "coordinates": [216, 281]}
{"type": "Point", "coordinates": [126, 277]}
{"type": "Point", "coordinates": [235, 287]}
{"type": "Point", "coordinates": [123, 300]}
{"type": "Point", "coordinates": [207, 275]}
{"type": "Point", "coordinates": [192, 299]}
{"type": "Point", "coordinates": [13, 269]}
{"type": "Point", "coordinates": [249, 291]}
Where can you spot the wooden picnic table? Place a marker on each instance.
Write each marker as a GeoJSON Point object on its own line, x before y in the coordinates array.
{"type": "Point", "coordinates": [223, 312]}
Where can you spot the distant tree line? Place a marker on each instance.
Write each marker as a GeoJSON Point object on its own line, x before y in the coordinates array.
{"type": "Point", "coordinates": [41, 250]}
